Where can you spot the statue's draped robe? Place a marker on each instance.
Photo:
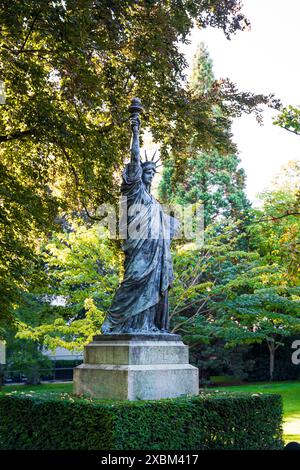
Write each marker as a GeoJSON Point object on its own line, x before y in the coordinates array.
{"type": "Point", "coordinates": [141, 302]}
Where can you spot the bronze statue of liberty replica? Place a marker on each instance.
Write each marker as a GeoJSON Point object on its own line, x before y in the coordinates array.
{"type": "Point", "coordinates": [140, 304]}
{"type": "Point", "coordinates": [135, 357]}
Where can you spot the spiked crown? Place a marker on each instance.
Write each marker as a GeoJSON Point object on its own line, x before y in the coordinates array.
{"type": "Point", "coordinates": [150, 163]}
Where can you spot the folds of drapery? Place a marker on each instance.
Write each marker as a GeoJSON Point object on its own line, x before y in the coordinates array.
{"type": "Point", "coordinates": [148, 266]}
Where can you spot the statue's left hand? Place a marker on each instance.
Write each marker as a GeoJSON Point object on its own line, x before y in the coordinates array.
{"type": "Point", "coordinates": [105, 328]}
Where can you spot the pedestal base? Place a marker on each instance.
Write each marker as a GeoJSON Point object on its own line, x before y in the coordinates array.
{"type": "Point", "coordinates": [136, 367]}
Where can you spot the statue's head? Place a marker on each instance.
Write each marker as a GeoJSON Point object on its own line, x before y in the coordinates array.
{"type": "Point", "coordinates": [149, 170]}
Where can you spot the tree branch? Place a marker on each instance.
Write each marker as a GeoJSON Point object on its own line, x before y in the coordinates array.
{"type": "Point", "coordinates": [30, 31]}
{"type": "Point", "coordinates": [16, 135]}
{"type": "Point", "coordinates": [290, 130]}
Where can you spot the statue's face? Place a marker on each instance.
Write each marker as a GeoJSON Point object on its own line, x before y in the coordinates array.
{"type": "Point", "coordinates": [148, 175]}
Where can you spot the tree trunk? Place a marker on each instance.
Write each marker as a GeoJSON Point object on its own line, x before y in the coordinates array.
{"type": "Point", "coordinates": [272, 349]}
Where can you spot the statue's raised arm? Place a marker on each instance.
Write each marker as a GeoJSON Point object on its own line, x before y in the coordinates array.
{"type": "Point", "coordinates": [135, 109]}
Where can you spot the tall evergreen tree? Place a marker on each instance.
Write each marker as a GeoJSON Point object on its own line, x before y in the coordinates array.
{"type": "Point", "coordinates": [202, 76]}
{"type": "Point", "coordinates": [211, 178]}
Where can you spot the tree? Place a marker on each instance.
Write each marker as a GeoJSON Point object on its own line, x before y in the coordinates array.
{"type": "Point", "coordinates": [212, 178]}
{"type": "Point", "coordinates": [275, 232]}
{"type": "Point", "coordinates": [222, 294]}
{"type": "Point", "coordinates": [268, 314]}
{"type": "Point", "coordinates": [69, 70]}
{"type": "Point", "coordinates": [202, 76]}
{"type": "Point", "coordinates": [26, 358]}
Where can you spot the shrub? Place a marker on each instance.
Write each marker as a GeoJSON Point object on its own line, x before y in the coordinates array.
{"type": "Point", "coordinates": [209, 421]}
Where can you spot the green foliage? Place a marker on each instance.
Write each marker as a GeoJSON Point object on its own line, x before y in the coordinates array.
{"type": "Point", "coordinates": [226, 294]}
{"type": "Point", "coordinates": [216, 360]}
{"type": "Point", "coordinates": [242, 286]}
{"type": "Point", "coordinates": [214, 180]}
{"type": "Point", "coordinates": [202, 76]}
{"type": "Point", "coordinates": [211, 421]}
{"type": "Point", "coordinates": [25, 358]}
{"type": "Point", "coordinates": [276, 235]}
{"type": "Point", "coordinates": [290, 392]}
{"type": "Point", "coordinates": [207, 276]}
{"type": "Point", "coordinates": [263, 314]}
{"type": "Point", "coordinates": [289, 119]}
{"type": "Point", "coordinates": [260, 355]}
{"type": "Point", "coordinates": [82, 267]}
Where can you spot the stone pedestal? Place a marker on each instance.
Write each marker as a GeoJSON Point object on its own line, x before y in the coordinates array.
{"type": "Point", "coordinates": [136, 367]}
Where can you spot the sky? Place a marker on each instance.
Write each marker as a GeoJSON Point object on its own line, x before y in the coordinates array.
{"type": "Point", "coordinates": [262, 60]}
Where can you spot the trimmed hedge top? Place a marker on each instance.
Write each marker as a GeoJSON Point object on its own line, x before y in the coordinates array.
{"type": "Point", "coordinates": [208, 421]}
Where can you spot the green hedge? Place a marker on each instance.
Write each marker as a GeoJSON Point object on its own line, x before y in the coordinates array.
{"type": "Point", "coordinates": [210, 421]}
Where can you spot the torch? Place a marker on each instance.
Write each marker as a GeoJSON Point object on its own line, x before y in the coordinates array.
{"type": "Point", "coordinates": [135, 109]}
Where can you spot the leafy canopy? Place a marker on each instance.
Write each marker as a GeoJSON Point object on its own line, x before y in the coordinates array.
{"type": "Point", "coordinates": [69, 69]}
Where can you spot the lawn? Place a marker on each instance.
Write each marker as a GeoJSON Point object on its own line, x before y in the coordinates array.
{"type": "Point", "coordinates": [290, 392]}
{"type": "Point", "coordinates": [63, 387]}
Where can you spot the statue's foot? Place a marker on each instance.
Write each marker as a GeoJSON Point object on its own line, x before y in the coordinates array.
{"type": "Point", "coordinates": [154, 329]}
{"type": "Point", "coordinates": [106, 327]}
